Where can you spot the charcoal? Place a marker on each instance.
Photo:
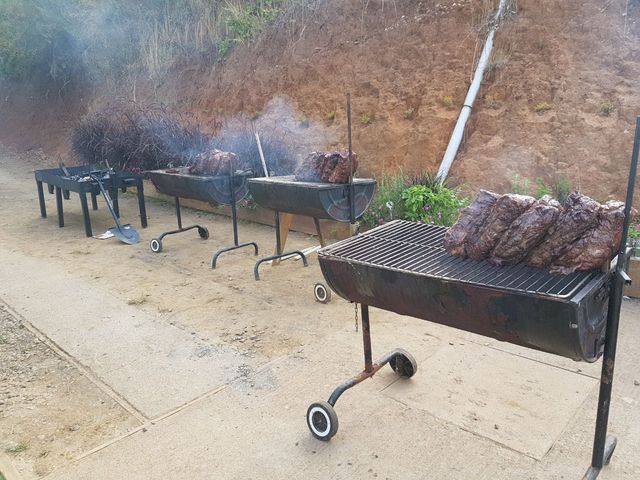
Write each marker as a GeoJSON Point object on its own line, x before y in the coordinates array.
{"type": "Point", "coordinates": [580, 214]}
{"type": "Point", "coordinates": [331, 167]}
{"type": "Point", "coordinates": [527, 231]}
{"type": "Point", "coordinates": [214, 162]}
{"type": "Point", "coordinates": [471, 219]}
{"type": "Point", "coordinates": [597, 247]}
{"type": "Point", "coordinates": [503, 214]}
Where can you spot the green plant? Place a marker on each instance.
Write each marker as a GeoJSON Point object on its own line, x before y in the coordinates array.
{"type": "Point", "coordinates": [224, 47]}
{"type": "Point", "coordinates": [542, 188]}
{"type": "Point", "coordinates": [3, 340]}
{"type": "Point", "coordinates": [606, 108]}
{"type": "Point", "coordinates": [520, 185]}
{"type": "Point", "coordinates": [409, 114]}
{"type": "Point", "coordinates": [303, 122]}
{"type": "Point", "coordinates": [387, 202]}
{"type": "Point", "coordinates": [447, 101]}
{"type": "Point", "coordinates": [18, 448]}
{"type": "Point", "coordinates": [562, 188]}
{"type": "Point", "coordinates": [366, 119]}
{"type": "Point", "coordinates": [438, 205]}
{"type": "Point", "coordinates": [331, 116]}
{"type": "Point", "coordinates": [542, 107]}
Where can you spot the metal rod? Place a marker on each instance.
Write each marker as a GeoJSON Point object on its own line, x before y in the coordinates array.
{"type": "Point", "coordinates": [43, 207]}
{"type": "Point", "coordinates": [85, 214]}
{"type": "Point", "coordinates": [94, 201]}
{"type": "Point", "coordinates": [234, 219]}
{"type": "Point", "coordinates": [352, 207]}
{"type": "Point", "coordinates": [599, 456]}
{"type": "Point", "coordinates": [366, 338]}
{"type": "Point", "coordinates": [178, 214]}
{"type": "Point", "coordinates": [278, 240]}
{"type": "Point", "coordinates": [142, 208]}
{"type": "Point", "coordinates": [59, 207]}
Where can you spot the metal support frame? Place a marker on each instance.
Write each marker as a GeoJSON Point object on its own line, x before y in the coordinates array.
{"type": "Point", "coordinates": [603, 445]}
{"type": "Point", "coordinates": [279, 253]}
{"type": "Point", "coordinates": [64, 194]}
{"type": "Point", "coordinates": [234, 220]}
{"type": "Point", "coordinates": [202, 231]}
{"type": "Point", "coordinates": [370, 368]}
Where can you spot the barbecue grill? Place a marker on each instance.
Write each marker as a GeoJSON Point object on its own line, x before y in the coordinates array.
{"type": "Point", "coordinates": [216, 190]}
{"type": "Point", "coordinates": [403, 267]}
{"type": "Point", "coordinates": [77, 179]}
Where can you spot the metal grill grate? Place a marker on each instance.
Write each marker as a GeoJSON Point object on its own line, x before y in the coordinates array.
{"type": "Point", "coordinates": [418, 248]}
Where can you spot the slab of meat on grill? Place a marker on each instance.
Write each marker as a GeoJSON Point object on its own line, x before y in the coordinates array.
{"type": "Point", "coordinates": [503, 214]}
{"type": "Point", "coordinates": [214, 162]}
{"type": "Point", "coordinates": [327, 167]}
{"type": "Point", "coordinates": [527, 231]}
{"type": "Point", "coordinates": [580, 214]}
{"type": "Point", "coordinates": [598, 246]}
{"type": "Point", "coordinates": [471, 219]}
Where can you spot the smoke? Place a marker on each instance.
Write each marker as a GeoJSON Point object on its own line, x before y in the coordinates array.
{"type": "Point", "coordinates": [286, 135]}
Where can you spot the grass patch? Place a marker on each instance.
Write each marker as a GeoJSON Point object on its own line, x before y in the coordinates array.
{"type": "Point", "coordinates": [18, 448]}
{"type": "Point", "coordinates": [542, 107]}
{"type": "Point", "coordinates": [3, 341]}
{"type": "Point", "coordinates": [606, 108]}
{"type": "Point", "coordinates": [409, 114]}
{"type": "Point", "coordinates": [366, 119]}
{"type": "Point", "coordinates": [447, 101]}
{"type": "Point", "coordinates": [331, 116]}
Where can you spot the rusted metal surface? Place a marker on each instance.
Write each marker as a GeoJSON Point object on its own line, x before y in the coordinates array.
{"type": "Point", "coordinates": [328, 201]}
{"type": "Point", "coordinates": [211, 189]}
{"type": "Point", "coordinates": [403, 267]}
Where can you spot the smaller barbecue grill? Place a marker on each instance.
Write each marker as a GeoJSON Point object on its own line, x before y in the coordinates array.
{"type": "Point", "coordinates": [319, 200]}
{"type": "Point", "coordinates": [215, 190]}
{"type": "Point", "coordinates": [403, 267]}
{"type": "Point", "coordinates": [78, 180]}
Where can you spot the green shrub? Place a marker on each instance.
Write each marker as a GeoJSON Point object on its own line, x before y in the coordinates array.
{"type": "Point", "coordinates": [562, 188]}
{"type": "Point", "coordinates": [387, 203]}
{"type": "Point", "coordinates": [520, 185]}
{"type": "Point", "coordinates": [542, 107]}
{"type": "Point", "coordinates": [542, 188]}
{"type": "Point", "coordinates": [438, 205]}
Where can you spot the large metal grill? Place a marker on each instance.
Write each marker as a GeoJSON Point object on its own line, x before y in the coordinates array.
{"type": "Point", "coordinates": [418, 248]}
{"type": "Point", "coordinates": [403, 267]}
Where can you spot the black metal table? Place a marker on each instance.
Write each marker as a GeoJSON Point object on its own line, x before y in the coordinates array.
{"type": "Point", "coordinates": [78, 182]}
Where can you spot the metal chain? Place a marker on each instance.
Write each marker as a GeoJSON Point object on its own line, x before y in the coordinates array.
{"type": "Point", "coordinates": [356, 308]}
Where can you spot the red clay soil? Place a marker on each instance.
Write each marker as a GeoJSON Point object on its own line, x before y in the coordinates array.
{"type": "Point", "coordinates": [408, 65]}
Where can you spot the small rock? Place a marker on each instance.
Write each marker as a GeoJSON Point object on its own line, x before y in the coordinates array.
{"type": "Point", "coordinates": [636, 383]}
{"type": "Point", "coordinates": [496, 426]}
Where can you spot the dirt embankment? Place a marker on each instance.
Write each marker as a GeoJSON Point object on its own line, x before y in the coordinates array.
{"type": "Point", "coordinates": [558, 99]}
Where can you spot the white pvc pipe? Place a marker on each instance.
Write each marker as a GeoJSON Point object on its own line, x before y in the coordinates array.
{"type": "Point", "coordinates": [458, 131]}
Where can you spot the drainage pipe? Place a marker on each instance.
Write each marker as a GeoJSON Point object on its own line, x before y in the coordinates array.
{"type": "Point", "coordinates": [458, 131]}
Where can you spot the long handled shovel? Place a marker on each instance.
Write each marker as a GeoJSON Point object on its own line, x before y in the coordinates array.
{"type": "Point", "coordinates": [124, 233]}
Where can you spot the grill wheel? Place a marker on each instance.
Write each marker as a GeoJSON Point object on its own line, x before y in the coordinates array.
{"type": "Point", "coordinates": [403, 364]}
{"type": "Point", "coordinates": [322, 420]}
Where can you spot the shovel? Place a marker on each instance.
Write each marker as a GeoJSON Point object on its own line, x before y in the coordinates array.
{"type": "Point", "coordinates": [124, 233]}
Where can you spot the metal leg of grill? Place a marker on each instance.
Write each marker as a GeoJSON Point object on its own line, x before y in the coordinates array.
{"type": "Point", "coordinates": [85, 214]}
{"type": "Point", "coordinates": [43, 207]}
{"type": "Point", "coordinates": [94, 201]}
{"type": "Point", "coordinates": [321, 415]}
{"type": "Point", "coordinates": [141, 205]}
{"type": "Point", "coordinates": [280, 255]}
{"type": "Point", "coordinates": [236, 245]}
{"type": "Point", "coordinates": [59, 207]}
{"type": "Point", "coordinates": [604, 445]}
{"type": "Point", "coordinates": [156, 243]}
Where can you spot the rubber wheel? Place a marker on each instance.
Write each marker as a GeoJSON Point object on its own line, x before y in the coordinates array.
{"type": "Point", "coordinates": [322, 420]}
{"type": "Point", "coordinates": [404, 364]}
{"type": "Point", "coordinates": [322, 293]}
{"type": "Point", "coordinates": [203, 232]}
{"type": "Point", "coordinates": [155, 245]}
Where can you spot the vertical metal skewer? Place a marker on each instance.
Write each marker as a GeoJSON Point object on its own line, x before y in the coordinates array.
{"type": "Point", "coordinates": [352, 207]}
